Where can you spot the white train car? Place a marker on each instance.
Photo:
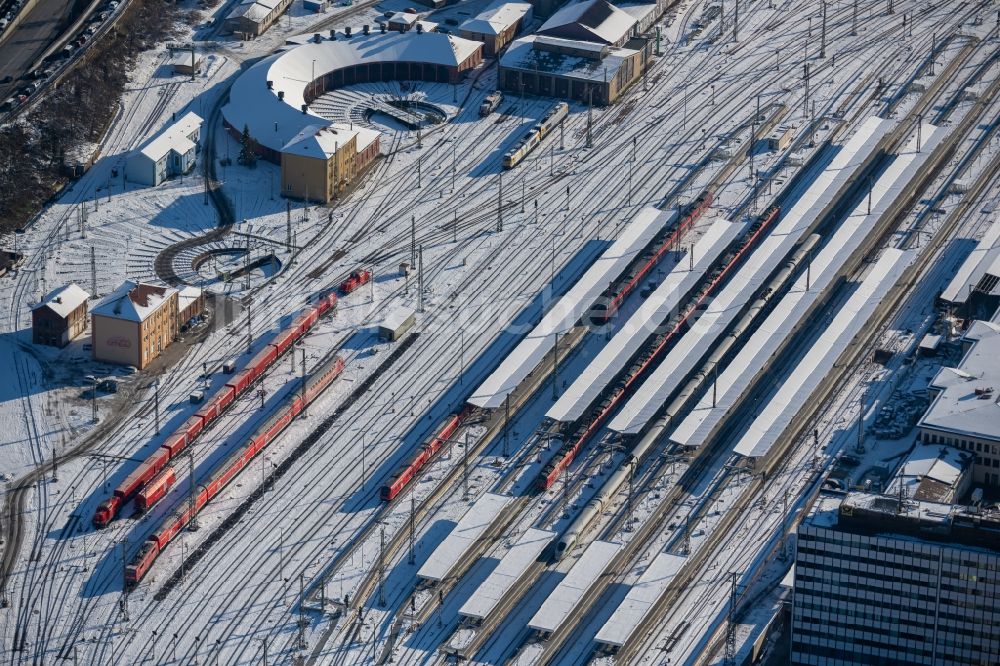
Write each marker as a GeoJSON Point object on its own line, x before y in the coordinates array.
{"type": "Point", "coordinates": [549, 122]}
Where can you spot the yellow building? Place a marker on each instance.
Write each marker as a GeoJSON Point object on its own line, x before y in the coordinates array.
{"type": "Point", "coordinates": [134, 324]}
{"type": "Point", "coordinates": [320, 162]}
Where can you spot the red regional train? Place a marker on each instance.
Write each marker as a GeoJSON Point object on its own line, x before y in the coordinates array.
{"type": "Point", "coordinates": [406, 473]}
{"type": "Point", "coordinates": [609, 302]}
{"type": "Point", "coordinates": [180, 439]}
{"type": "Point", "coordinates": [229, 468]}
{"type": "Point", "coordinates": [564, 457]}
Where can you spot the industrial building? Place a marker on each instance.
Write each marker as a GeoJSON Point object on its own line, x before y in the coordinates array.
{"type": "Point", "coordinates": [905, 577]}
{"type": "Point", "coordinates": [965, 407]}
{"type": "Point", "coordinates": [133, 325]}
{"type": "Point", "coordinates": [320, 162]}
{"type": "Point", "coordinates": [272, 97]}
{"type": "Point", "coordinates": [588, 51]}
{"type": "Point", "coordinates": [169, 153]}
{"type": "Point", "coordinates": [497, 25]}
{"type": "Point", "coordinates": [252, 18]}
{"type": "Point", "coordinates": [60, 316]}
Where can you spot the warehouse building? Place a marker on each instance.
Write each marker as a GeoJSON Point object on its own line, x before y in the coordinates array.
{"type": "Point", "coordinates": [319, 163]}
{"type": "Point", "coordinates": [965, 407]}
{"type": "Point", "coordinates": [60, 316]}
{"type": "Point", "coordinates": [497, 25]}
{"type": "Point", "coordinates": [895, 579]}
{"type": "Point", "coordinates": [133, 325]}
{"type": "Point", "coordinates": [170, 153]}
{"type": "Point", "coordinates": [272, 98]}
{"type": "Point", "coordinates": [252, 18]}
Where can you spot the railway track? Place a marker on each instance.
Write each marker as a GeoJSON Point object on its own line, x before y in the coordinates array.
{"type": "Point", "coordinates": [403, 249]}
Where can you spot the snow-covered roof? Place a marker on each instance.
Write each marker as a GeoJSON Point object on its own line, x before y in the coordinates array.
{"type": "Point", "coordinates": [932, 472]}
{"type": "Point", "coordinates": [273, 122]}
{"type": "Point", "coordinates": [323, 140]}
{"type": "Point", "coordinates": [640, 599]}
{"type": "Point", "coordinates": [592, 20]}
{"type": "Point", "coordinates": [565, 312]}
{"type": "Point", "coordinates": [727, 304]}
{"type": "Point", "coordinates": [602, 65]}
{"type": "Point", "coordinates": [813, 367]}
{"type": "Point", "coordinates": [968, 399]}
{"type": "Point", "coordinates": [468, 530]}
{"type": "Point", "coordinates": [983, 260]}
{"type": "Point", "coordinates": [825, 265]}
{"type": "Point", "coordinates": [404, 18]}
{"type": "Point", "coordinates": [63, 300]}
{"type": "Point", "coordinates": [645, 322]}
{"type": "Point", "coordinates": [497, 17]}
{"type": "Point", "coordinates": [254, 10]}
{"type": "Point", "coordinates": [512, 566]}
{"type": "Point", "coordinates": [133, 301]}
{"type": "Point", "coordinates": [187, 296]}
{"type": "Point", "coordinates": [397, 317]}
{"type": "Point", "coordinates": [174, 137]}
{"type": "Point", "coordinates": [585, 572]}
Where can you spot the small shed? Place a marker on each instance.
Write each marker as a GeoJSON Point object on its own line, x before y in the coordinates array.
{"type": "Point", "coordinates": [929, 344]}
{"type": "Point", "coordinates": [186, 63]}
{"type": "Point", "coordinates": [315, 6]}
{"type": "Point", "coordinates": [780, 138]}
{"type": "Point", "coordinates": [402, 21]}
{"type": "Point", "coordinates": [60, 316]}
{"type": "Point", "coordinates": [396, 324]}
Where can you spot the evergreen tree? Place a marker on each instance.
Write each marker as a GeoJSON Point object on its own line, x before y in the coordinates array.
{"type": "Point", "coordinates": [248, 154]}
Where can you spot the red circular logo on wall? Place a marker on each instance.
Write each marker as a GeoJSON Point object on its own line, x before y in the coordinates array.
{"type": "Point", "coordinates": [119, 341]}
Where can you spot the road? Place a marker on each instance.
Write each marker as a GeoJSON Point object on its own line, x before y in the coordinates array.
{"type": "Point", "coordinates": [29, 40]}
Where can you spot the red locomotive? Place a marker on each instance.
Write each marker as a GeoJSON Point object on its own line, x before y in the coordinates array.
{"type": "Point", "coordinates": [356, 279]}
{"type": "Point", "coordinates": [567, 453]}
{"type": "Point", "coordinates": [609, 302]}
{"type": "Point", "coordinates": [216, 405]}
{"type": "Point", "coordinates": [229, 468]}
{"type": "Point", "coordinates": [406, 473]}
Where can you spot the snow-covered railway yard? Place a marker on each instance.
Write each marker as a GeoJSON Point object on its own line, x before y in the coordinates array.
{"type": "Point", "coordinates": [299, 559]}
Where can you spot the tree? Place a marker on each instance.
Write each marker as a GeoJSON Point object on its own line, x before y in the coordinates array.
{"type": "Point", "coordinates": [248, 149]}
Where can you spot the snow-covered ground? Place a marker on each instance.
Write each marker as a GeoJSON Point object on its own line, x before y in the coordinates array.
{"type": "Point", "coordinates": [483, 288]}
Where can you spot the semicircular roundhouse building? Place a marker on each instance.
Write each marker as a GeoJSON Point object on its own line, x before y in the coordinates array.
{"type": "Point", "coordinates": [318, 157]}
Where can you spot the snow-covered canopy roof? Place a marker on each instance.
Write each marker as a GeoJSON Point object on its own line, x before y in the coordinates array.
{"type": "Point", "coordinates": [63, 300]}
{"type": "Point", "coordinates": [497, 17]}
{"type": "Point", "coordinates": [274, 123]}
{"type": "Point", "coordinates": [592, 20]}
{"type": "Point", "coordinates": [133, 301]}
{"type": "Point", "coordinates": [173, 138]}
